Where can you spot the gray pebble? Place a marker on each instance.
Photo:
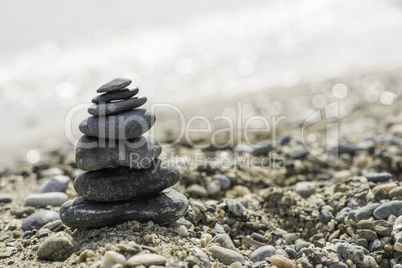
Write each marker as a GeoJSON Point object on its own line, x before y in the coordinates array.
{"type": "Point", "coordinates": [235, 207]}
{"type": "Point", "coordinates": [55, 226]}
{"type": "Point", "coordinates": [223, 240]}
{"type": "Point", "coordinates": [365, 212]}
{"type": "Point", "coordinates": [300, 244]}
{"type": "Point", "coordinates": [262, 148]}
{"type": "Point", "coordinates": [375, 245]}
{"type": "Point", "coordinates": [378, 177]}
{"type": "Point", "coordinates": [197, 190]}
{"type": "Point", "coordinates": [164, 208]}
{"type": "Point", "coordinates": [116, 95]}
{"type": "Point", "coordinates": [387, 209]}
{"type": "Point", "coordinates": [396, 192]}
{"type": "Point", "coordinates": [115, 84]}
{"type": "Point", "coordinates": [284, 139]}
{"type": "Point", "coordinates": [305, 188]}
{"type": "Point", "coordinates": [46, 199]}
{"type": "Point", "coordinates": [39, 219]}
{"type": "Point", "coordinates": [116, 107]}
{"type": "Point", "coordinates": [127, 125]}
{"type": "Point", "coordinates": [58, 247]}
{"type": "Point", "coordinates": [242, 149]}
{"type": "Point", "coordinates": [225, 256]}
{"type": "Point", "coordinates": [5, 198]}
{"type": "Point", "coordinates": [383, 228]}
{"type": "Point", "coordinates": [261, 253]}
{"type": "Point", "coordinates": [58, 183]}
{"type": "Point", "coordinates": [223, 180]}
{"type": "Point", "coordinates": [351, 252]}
{"type": "Point", "coordinates": [365, 224]}
{"type": "Point", "coordinates": [122, 183]}
{"type": "Point", "coordinates": [362, 242]}
{"type": "Point", "coordinates": [340, 217]}
{"type": "Point", "coordinates": [326, 216]}
{"type": "Point", "coordinates": [95, 153]}
{"type": "Point", "coordinates": [291, 252]}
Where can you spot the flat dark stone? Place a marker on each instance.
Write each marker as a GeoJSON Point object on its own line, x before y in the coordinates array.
{"type": "Point", "coordinates": [378, 177]}
{"type": "Point", "coordinates": [127, 125]}
{"type": "Point", "coordinates": [116, 107]}
{"type": "Point", "coordinates": [123, 183]}
{"type": "Point", "coordinates": [98, 153]}
{"type": "Point", "coordinates": [116, 95]}
{"type": "Point", "coordinates": [115, 84]}
{"type": "Point", "coordinates": [163, 208]}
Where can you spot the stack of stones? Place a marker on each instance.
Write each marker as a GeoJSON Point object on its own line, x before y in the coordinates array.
{"type": "Point", "coordinates": [125, 180]}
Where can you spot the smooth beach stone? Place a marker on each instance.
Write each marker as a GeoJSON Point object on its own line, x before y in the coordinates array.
{"type": "Point", "coordinates": [116, 95]}
{"type": "Point", "coordinates": [127, 125]}
{"type": "Point", "coordinates": [378, 177]}
{"type": "Point", "coordinates": [46, 199]}
{"type": "Point", "coordinates": [389, 208]}
{"type": "Point", "coordinates": [115, 84]}
{"type": "Point", "coordinates": [58, 247]}
{"type": "Point", "coordinates": [164, 208]}
{"type": "Point", "coordinates": [123, 183]}
{"type": "Point", "coordinates": [116, 107]}
{"type": "Point", "coordinates": [94, 153]}
{"type": "Point", "coordinates": [39, 219]}
{"type": "Point", "coordinates": [58, 183]}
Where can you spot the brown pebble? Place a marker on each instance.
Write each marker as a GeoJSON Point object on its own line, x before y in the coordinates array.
{"type": "Point", "coordinates": [282, 262]}
{"type": "Point", "coordinates": [334, 235]}
{"type": "Point", "coordinates": [367, 234]}
{"type": "Point", "coordinates": [16, 234]}
{"type": "Point", "coordinates": [341, 227]}
{"type": "Point", "coordinates": [309, 224]}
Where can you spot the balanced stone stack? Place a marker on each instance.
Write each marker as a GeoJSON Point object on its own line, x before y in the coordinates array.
{"type": "Point", "coordinates": [124, 180]}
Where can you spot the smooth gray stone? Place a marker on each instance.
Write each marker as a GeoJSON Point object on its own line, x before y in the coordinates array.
{"type": "Point", "coordinates": [378, 177]}
{"type": "Point", "coordinates": [123, 183]}
{"type": "Point", "coordinates": [115, 84]}
{"type": "Point", "coordinates": [164, 208]}
{"type": "Point", "coordinates": [354, 253]}
{"type": "Point", "coordinates": [5, 198]}
{"type": "Point", "coordinates": [116, 95]}
{"type": "Point", "coordinates": [223, 240]}
{"type": "Point", "coordinates": [58, 183]}
{"type": "Point", "coordinates": [96, 153]}
{"type": "Point", "coordinates": [116, 107]}
{"type": "Point", "coordinates": [127, 125]}
{"type": "Point", "coordinates": [387, 209]}
{"type": "Point", "coordinates": [39, 219]}
{"type": "Point", "coordinates": [46, 199]}
{"type": "Point", "coordinates": [261, 253]}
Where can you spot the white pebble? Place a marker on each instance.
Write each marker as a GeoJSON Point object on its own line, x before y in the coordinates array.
{"type": "Point", "coordinates": [183, 230]}
{"type": "Point", "coordinates": [151, 224]}
{"type": "Point", "coordinates": [219, 228]}
{"type": "Point", "coordinates": [111, 258]}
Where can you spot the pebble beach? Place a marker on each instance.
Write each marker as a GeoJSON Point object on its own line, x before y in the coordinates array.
{"type": "Point", "coordinates": [276, 205]}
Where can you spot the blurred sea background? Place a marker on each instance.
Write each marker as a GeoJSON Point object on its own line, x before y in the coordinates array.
{"type": "Point", "coordinates": [54, 55]}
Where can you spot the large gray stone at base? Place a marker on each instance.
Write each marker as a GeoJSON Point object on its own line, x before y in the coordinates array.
{"type": "Point", "coordinates": [127, 125]}
{"type": "Point", "coordinates": [96, 153]}
{"type": "Point", "coordinates": [123, 183]}
{"type": "Point", "coordinates": [116, 107]}
{"type": "Point", "coordinates": [116, 95]}
{"type": "Point", "coordinates": [115, 84]}
{"type": "Point", "coordinates": [164, 208]}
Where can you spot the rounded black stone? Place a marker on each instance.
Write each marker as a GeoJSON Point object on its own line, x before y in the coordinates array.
{"type": "Point", "coordinates": [116, 95]}
{"type": "Point", "coordinates": [127, 125]}
{"type": "Point", "coordinates": [98, 153]}
{"type": "Point", "coordinates": [163, 208]}
{"type": "Point", "coordinates": [115, 84]}
{"type": "Point", "coordinates": [123, 183]}
{"type": "Point", "coordinates": [116, 107]}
